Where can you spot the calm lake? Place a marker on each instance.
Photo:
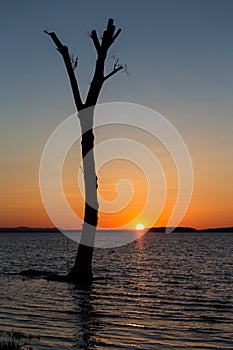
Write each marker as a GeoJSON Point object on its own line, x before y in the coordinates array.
{"type": "Point", "coordinates": [163, 291]}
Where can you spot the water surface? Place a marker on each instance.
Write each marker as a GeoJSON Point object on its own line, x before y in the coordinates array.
{"type": "Point", "coordinates": [164, 291]}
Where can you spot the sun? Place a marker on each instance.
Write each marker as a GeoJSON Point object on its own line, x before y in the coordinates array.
{"type": "Point", "coordinates": [139, 227]}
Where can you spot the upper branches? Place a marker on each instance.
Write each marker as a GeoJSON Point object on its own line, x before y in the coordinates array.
{"type": "Point", "coordinates": [109, 36]}
{"type": "Point", "coordinates": [102, 46]}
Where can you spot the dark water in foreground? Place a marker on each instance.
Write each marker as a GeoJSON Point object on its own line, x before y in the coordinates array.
{"type": "Point", "coordinates": [161, 292]}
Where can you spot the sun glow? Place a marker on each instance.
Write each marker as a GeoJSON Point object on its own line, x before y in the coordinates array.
{"type": "Point", "coordinates": [139, 227]}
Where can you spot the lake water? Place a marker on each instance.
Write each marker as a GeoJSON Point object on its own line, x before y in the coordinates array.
{"type": "Point", "coordinates": [164, 291]}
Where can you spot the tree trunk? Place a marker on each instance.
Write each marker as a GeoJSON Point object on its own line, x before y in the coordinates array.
{"type": "Point", "coordinates": [82, 270]}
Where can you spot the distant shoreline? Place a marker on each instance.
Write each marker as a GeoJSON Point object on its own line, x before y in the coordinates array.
{"type": "Point", "coordinates": [191, 229]}
{"type": "Point", "coordinates": [150, 230]}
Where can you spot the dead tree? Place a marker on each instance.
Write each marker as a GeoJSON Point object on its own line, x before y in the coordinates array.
{"type": "Point", "coordinates": [81, 272]}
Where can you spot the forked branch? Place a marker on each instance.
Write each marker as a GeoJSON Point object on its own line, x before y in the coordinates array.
{"type": "Point", "coordinates": [102, 47]}
{"type": "Point", "coordinates": [109, 36]}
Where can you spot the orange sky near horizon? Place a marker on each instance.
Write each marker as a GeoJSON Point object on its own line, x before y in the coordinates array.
{"type": "Point", "coordinates": [211, 204]}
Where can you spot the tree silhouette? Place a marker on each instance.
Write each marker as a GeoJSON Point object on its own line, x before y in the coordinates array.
{"type": "Point", "coordinates": [81, 272]}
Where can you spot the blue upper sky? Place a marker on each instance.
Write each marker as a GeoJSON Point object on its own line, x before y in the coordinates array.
{"type": "Point", "coordinates": [179, 53]}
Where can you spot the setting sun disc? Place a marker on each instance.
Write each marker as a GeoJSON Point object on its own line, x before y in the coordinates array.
{"type": "Point", "coordinates": [139, 227]}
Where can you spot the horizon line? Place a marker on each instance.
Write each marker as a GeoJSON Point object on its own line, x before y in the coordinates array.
{"type": "Point", "coordinates": [28, 228]}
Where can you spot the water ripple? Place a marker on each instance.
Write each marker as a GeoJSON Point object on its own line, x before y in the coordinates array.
{"type": "Point", "coordinates": [162, 292]}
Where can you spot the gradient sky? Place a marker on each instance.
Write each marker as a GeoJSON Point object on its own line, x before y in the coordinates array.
{"type": "Point", "coordinates": [180, 59]}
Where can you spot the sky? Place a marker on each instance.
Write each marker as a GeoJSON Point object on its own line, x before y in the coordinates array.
{"type": "Point", "coordinates": [179, 56]}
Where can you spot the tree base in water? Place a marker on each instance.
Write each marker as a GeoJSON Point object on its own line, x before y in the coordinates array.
{"type": "Point", "coordinates": [74, 277]}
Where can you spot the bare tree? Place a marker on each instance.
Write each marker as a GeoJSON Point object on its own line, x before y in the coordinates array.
{"type": "Point", "coordinates": [82, 270]}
